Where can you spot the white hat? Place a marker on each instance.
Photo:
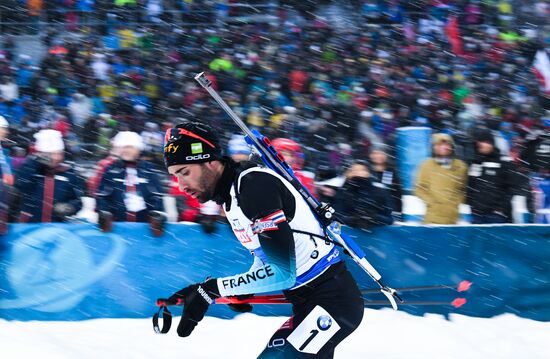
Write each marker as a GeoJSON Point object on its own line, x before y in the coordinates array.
{"type": "Point", "coordinates": [3, 122]}
{"type": "Point", "coordinates": [49, 141]}
{"type": "Point", "coordinates": [128, 138]}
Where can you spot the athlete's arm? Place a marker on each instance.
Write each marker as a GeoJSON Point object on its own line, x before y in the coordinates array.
{"type": "Point", "coordinates": [269, 205]}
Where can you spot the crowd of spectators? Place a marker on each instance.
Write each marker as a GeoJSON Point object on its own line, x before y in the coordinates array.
{"type": "Point", "coordinates": [454, 66]}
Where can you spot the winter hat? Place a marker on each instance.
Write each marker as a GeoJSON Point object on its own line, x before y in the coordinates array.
{"type": "Point", "coordinates": [3, 122]}
{"type": "Point", "coordinates": [238, 146]}
{"type": "Point", "coordinates": [442, 137]}
{"type": "Point", "coordinates": [49, 141]}
{"type": "Point", "coordinates": [128, 138]}
{"type": "Point", "coordinates": [484, 135]}
{"type": "Point", "coordinates": [190, 142]}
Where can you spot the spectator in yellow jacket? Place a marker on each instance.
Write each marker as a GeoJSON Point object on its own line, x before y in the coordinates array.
{"type": "Point", "coordinates": [441, 182]}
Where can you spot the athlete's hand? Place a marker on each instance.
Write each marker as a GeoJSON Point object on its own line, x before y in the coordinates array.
{"type": "Point", "coordinates": [196, 299]}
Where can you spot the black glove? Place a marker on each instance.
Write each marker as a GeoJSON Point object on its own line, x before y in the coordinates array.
{"type": "Point", "coordinates": [241, 308]}
{"type": "Point", "coordinates": [157, 220]}
{"type": "Point", "coordinates": [195, 299]}
{"type": "Point", "coordinates": [63, 210]}
{"type": "Point", "coordinates": [105, 221]}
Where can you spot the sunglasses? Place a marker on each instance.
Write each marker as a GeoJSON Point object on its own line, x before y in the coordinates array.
{"type": "Point", "coordinates": [175, 134]}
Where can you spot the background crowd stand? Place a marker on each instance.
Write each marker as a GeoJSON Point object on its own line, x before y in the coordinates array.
{"type": "Point", "coordinates": [104, 68]}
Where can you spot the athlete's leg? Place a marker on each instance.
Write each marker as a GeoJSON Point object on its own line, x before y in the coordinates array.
{"type": "Point", "coordinates": [333, 312]}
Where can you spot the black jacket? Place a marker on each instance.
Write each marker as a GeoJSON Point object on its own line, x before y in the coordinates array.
{"type": "Point", "coordinates": [537, 151]}
{"type": "Point", "coordinates": [492, 182]}
{"type": "Point", "coordinates": [115, 187]}
{"type": "Point", "coordinates": [390, 179]}
{"type": "Point", "coordinates": [42, 187]}
{"type": "Point", "coordinates": [364, 202]}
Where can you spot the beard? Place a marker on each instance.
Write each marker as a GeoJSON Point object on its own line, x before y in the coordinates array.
{"type": "Point", "coordinates": [207, 183]}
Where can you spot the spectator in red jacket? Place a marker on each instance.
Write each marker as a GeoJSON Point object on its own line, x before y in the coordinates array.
{"type": "Point", "coordinates": [293, 155]}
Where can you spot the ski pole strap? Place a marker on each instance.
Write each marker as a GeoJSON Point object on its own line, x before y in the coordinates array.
{"type": "Point", "coordinates": [166, 320]}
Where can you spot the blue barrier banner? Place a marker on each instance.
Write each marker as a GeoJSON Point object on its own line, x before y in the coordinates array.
{"type": "Point", "coordinates": [413, 147]}
{"type": "Point", "coordinates": [76, 272]}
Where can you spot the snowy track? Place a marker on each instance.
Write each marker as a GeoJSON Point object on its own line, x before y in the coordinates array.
{"type": "Point", "coordinates": [383, 334]}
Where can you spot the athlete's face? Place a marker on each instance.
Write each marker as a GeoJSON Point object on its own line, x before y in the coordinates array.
{"type": "Point", "coordinates": [199, 180]}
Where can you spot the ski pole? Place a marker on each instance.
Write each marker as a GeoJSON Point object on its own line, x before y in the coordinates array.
{"type": "Point", "coordinates": [276, 299]}
{"type": "Point", "coordinates": [456, 302]}
{"type": "Point", "coordinates": [463, 286]}
{"type": "Point", "coordinates": [281, 299]}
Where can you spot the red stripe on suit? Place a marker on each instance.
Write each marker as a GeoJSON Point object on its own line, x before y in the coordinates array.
{"type": "Point", "coordinates": [130, 187]}
{"type": "Point", "coordinates": [47, 201]}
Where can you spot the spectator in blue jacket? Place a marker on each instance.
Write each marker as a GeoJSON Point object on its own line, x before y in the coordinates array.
{"type": "Point", "coordinates": [6, 176]}
{"type": "Point", "coordinates": [50, 191]}
{"type": "Point", "coordinates": [363, 201]}
{"type": "Point", "coordinates": [130, 190]}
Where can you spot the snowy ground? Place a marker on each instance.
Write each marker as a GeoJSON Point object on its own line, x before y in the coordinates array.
{"type": "Point", "coordinates": [383, 334]}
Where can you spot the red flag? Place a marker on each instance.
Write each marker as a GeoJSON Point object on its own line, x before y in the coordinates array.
{"type": "Point", "coordinates": [453, 35]}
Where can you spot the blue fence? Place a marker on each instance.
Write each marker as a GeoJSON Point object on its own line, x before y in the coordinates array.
{"type": "Point", "coordinates": [75, 272]}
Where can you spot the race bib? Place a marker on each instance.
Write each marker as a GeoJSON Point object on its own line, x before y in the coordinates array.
{"type": "Point", "coordinates": [314, 331]}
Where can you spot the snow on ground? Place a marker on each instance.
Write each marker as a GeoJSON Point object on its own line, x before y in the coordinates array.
{"type": "Point", "coordinates": [383, 334]}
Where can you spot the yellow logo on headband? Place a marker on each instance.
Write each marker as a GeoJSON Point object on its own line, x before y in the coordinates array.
{"type": "Point", "coordinates": [171, 148]}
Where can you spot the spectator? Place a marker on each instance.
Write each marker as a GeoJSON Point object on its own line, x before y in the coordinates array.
{"type": "Point", "coordinates": [153, 141]}
{"type": "Point", "coordinates": [362, 201]}
{"type": "Point", "coordinates": [6, 178]}
{"type": "Point", "coordinates": [9, 90]}
{"type": "Point", "coordinates": [293, 155]}
{"type": "Point", "coordinates": [239, 150]}
{"type": "Point", "coordinates": [18, 155]}
{"type": "Point", "coordinates": [5, 165]}
{"type": "Point", "coordinates": [492, 181]}
{"type": "Point", "coordinates": [80, 108]}
{"type": "Point", "coordinates": [95, 180]}
{"type": "Point", "coordinates": [130, 189]}
{"type": "Point", "coordinates": [441, 182]}
{"type": "Point", "coordinates": [536, 156]}
{"type": "Point", "coordinates": [387, 176]}
{"type": "Point", "coordinates": [52, 190]}
{"type": "Point", "coordinates": [3, 210]}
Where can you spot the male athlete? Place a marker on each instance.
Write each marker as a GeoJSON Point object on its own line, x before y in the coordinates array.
{"type": "Point", "coordinates": [271, 219]}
